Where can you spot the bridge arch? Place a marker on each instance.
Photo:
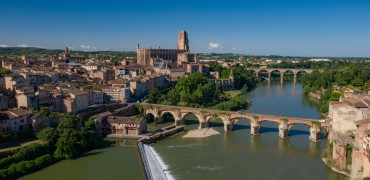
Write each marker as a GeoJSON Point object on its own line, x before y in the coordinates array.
{"type": "Point", "coordinates": [299, 128]}
{"type": "Point", "coordinates": [189, 118]}
{"type": "Point", "coordinates": [150, 118]}
{"type": "Point", "coordinates": [274, 73]}
{"type": "Point", "coordinates": [215, 121]}
{"type": "Point", "coordinates": [167, 116]}
{"type": "Point", "coordinates": [263, 73]}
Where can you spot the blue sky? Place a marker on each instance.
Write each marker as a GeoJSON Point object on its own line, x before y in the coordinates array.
{"type": "Point", "coordinates": [280, 27]}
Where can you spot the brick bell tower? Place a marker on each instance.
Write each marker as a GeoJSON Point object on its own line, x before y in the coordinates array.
{"type": "Point", "coordinates": [183, 42]}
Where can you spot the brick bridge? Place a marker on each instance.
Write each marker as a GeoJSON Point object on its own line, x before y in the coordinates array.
{"type": "Point", "coordinates": [281, 70]}
{"type": "Point", "coordinates": [229, 118]}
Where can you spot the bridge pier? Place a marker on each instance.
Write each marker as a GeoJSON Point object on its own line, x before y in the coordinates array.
{"type": "Point", "coordinates": [203, 125]}
{"type": "Point", "coordinates": [295, 78]}
{"type": "Point", "coordinates": [178, 122]}
{"type": "Point", "coordinates": [228, 127]}
{"type": "Point", "coordinates": [255, 128]}
{"type": "Point", "coordinates": [281, 78]}
{"type": "Point", "coordinates": [158, 120]}
{"type": "Point", "coordinates": [283, 132]}
{"type": "Point", "coordinates": [314, 134]}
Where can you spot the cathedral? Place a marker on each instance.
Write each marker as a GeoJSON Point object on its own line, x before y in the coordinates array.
{"type": "Point", "coordinates": [179, 56]}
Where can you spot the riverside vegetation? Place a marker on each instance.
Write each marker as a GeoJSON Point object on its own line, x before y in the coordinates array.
{"type": "Point", "coordinates": [197, 90]}
{"type": "Point", "coordinates": [353, 75]}
{"type": "Point", "coordinates": [70, 139]}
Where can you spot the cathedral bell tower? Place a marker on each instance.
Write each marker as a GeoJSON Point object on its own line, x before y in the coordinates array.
{"type": "Point", "coordinates": [183, 42]}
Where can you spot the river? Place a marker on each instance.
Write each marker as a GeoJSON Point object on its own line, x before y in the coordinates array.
{"type": "Point", "coordinates": [232, 155]}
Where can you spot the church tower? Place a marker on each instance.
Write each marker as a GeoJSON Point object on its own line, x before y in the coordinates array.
{"type": "Point", "coordinates": [183, 42]}
{"type": "Point", "coordinates": [231, 78]}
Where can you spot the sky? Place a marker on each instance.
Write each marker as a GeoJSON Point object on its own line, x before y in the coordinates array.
{"type": "Point", "coordinates": [339, 28]}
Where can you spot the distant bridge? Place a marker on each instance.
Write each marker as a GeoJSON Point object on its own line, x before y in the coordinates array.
{"type": "Point", "coordinates": [229, 118]}
{"type": "Point", "coordinates": [281, 70]}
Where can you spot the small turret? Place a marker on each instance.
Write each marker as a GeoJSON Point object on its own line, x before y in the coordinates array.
{"type": "Point", "coordinates": [231, 76]}
{"type": "Point", "coordinates": [138, 46]}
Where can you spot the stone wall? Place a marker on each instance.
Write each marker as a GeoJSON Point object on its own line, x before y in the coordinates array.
{"type": "Point", "coordinates": [97, 110]}
{"type": "Point", "coordinates": [162, 135]}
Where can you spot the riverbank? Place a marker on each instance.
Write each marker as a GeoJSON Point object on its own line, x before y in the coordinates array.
{"type": "Point", "coordinates": [334, 169]}
{"type": "Point", "coordinates": [201, 133]}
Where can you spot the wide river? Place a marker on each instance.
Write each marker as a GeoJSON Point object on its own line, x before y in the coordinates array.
{"type": "Point", "coordinates": [232, 155]}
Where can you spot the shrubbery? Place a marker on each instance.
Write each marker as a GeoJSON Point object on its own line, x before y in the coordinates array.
{"type": "Point", "coordinates": [28, 153]}
{"type": "Point", "coordinates": [234, 104]}
{"type": "Point", "coordinates": [19, 169]}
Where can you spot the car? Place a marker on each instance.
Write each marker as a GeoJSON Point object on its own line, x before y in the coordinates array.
{"type": "Point", "coordinates": [322, 120]}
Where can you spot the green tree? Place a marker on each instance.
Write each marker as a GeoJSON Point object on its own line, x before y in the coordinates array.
{"type": "Point", "coordinates": [72, 140]}
{"type": "Point", "coordinates": [4, 71]}
{"type": "Point", "coordinates": [154, 96]}
{"type": "Point", "coordinates": [93, 138]}
{"type": "Point", "coordinates": [44, 111]}
{"type": "Point", "coordinates": [49, 135]}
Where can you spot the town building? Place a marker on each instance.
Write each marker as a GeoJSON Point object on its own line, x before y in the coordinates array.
{"type": "Point", "coordinates": [121, 125]}
{"type": "Point", "coordinates": [14, 120]}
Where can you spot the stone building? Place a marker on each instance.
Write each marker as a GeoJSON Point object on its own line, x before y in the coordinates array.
{"type": "Point", "coordinates": [26, 98]}
{"type": "Point", "coordinates": [178, 55]}
{"type": "Point", "coordinates": [119, 94]}
{"type": "Point", "coordinates": [75, 100]}
{"type": "Point", "coordinates": [121, 125]}
{"type": "Point", "coordinates": [14, 120]}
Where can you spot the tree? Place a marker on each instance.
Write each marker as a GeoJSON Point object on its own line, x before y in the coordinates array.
{"type": "Point", "coordinates": [72, 140]}
{"type": "Point", "coordinates": [43, 111]}
{"type": "Point", "coordinates": [4, 71]}
{"type": "Point", "coordinates": [93, 138]}
{"type": "Point", "coordinates": [154, 96]}
{"type": "Point", "coordinates": [49, 135]}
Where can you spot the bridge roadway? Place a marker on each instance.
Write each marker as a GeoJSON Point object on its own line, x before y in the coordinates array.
{"type": "Point", "coordinates": [281, 70]}
{"type": "Point", "coordinates": [229, 118]}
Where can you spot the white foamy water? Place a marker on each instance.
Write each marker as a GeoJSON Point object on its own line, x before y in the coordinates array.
{"type": "Point", "coordinates": [158, 167]}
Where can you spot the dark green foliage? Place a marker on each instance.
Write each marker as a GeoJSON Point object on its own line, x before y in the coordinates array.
{"type": "Point", "coordinates": [356, 75]}
{"type": "Point", "coordinates": [28, 153]}
{"type": "Point", "coordinates": [19, 169]}
{"type": "Point", "coordinates": [195, 90]}
{"type": "Point", "coordinates": [4, 72]}
{"type": "Point", "coordinates": [233, 104]}
{"type": "Point", "coordinates": [44, 111]}
{"type": "Point", "coordinates": [93, 138]}
{"type": "Point", "coordinates": [154, 96]}
{"type": "Point", "coordinates": [71, 141]}
{"type": "Point", "coordinates": [49, 135]}
{"type": "Point", "coordinates": [18, 136]}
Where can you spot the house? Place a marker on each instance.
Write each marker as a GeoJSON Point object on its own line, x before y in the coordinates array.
{"type": "Point", "coordinates": [121, 125]}
{"type": "Point", "coordinates": [14, 120]}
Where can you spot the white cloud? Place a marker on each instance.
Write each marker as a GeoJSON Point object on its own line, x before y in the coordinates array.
{"type": "Point", "coordinates": [23, 45]}
{"type": "Point", "coordinates": [104, 49]}
{"type": "Point", "coordinates": [85, 46]}
{"type": "Point", "coordinates": [213, 45]}
{"type": "Point", "coordinates": [4, 45]}
{"type": "Point", "coordinates": [94, 48]}
{"type": "Point", "coordinates": [238, 49]}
